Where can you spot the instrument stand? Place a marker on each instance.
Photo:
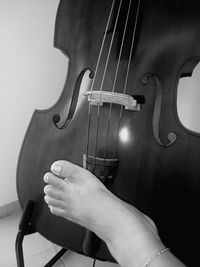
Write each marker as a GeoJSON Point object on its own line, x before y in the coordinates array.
{"type": "Point", "coordinates": [26, 228]}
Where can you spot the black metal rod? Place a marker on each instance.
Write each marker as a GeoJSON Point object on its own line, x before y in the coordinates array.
{"type": "Point", "coordinates": [91, 244]}
{"type": "Point", "coordinates": [56, 258]}
{"type": "Point", "coordinates": [19, 250]}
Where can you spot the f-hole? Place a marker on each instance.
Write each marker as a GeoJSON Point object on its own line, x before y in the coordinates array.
{"type": "Point", "coordinates": [188, 96]}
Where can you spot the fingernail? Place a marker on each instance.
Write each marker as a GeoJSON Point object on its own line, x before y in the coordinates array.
{"type": "Point", "coordinates": [56, 168]}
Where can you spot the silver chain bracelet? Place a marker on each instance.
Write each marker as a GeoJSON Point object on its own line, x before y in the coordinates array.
{"type": "Point", "coordinates": [155, 256]}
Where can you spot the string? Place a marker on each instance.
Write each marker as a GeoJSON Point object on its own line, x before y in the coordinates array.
{"type": "Point", "coordinates": [127, 73]}
{"type": "Point", "coordinates": [104, 73]}
{"type": "Point", "coordinates": [115, 78]}
{"type": "Point", "coordinates": [95, 73]}
{"type": "Point", "coordinates": [102, 82]}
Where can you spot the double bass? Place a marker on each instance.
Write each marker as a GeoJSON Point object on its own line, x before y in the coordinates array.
{"type": "Point", "coordinates": [117, 116]}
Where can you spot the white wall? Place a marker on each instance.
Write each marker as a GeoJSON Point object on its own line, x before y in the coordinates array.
{"type": "Point", "coordinates": [188, 100]}
{"type": "Point", "coordinates": [32, 75]}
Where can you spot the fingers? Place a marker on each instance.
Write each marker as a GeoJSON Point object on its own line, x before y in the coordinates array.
{"type": "Point", "coordinates": [66, 169]}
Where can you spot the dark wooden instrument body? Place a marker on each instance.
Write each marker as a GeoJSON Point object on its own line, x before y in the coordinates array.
{"type": "Point", "coordinates": [162, 181]}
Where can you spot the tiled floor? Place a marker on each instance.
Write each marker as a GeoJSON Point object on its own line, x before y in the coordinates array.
{"type": "Point", "coordinates": [37, 250]}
